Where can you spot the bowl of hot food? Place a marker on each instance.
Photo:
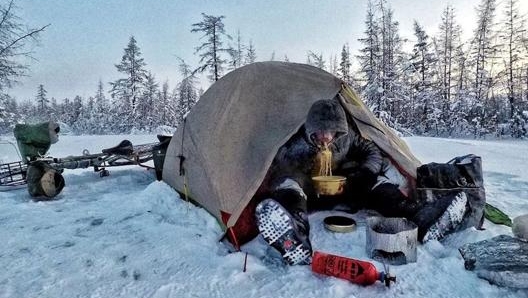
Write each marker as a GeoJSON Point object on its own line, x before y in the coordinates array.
{"type": "Point", "coordinates": [329, 185]}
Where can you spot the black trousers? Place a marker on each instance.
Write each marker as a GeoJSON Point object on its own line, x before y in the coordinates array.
{"type": "Point", "coordinates": [385, 198]}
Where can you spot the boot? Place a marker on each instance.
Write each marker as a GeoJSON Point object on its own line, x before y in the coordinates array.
{"type": "Point", "coordinates": [287, 232]}
{"type": "Point", "coordinates": [449, 220]}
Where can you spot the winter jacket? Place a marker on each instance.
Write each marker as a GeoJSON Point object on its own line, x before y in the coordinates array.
{"type": "Point", "coordinates": [359, 159]}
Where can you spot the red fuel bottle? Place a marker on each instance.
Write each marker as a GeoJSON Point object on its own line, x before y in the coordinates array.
{"type": "Point", "coordinates": [356, 271]}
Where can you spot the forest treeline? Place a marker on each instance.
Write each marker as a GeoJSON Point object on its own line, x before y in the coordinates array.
{"type": "Point", "coordinates": [434, 84]}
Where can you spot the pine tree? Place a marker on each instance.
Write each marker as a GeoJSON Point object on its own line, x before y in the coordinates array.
{"type": "Point", "coordinates": [9, 114]}
{"type": "Point", "coordinates": [42, 102]}
{"type": "Point", "coordinates": [77, 108]}
{"type": "Point", "coordinates": [102, 113]}
{"type": "Point", "coordinates": [453, 74]}
{"type": "Point", "coordinates": [316, 60]}
{"type": "Point", "coordinates": [483, 45]}
{"type": "Point", "coordinates": [126, 92]}
{"type": "Point", "coordinates": [149, 100]}
{"type": "Point", "coordinates": [423, 93]}
{"type": "Point", "coordinates": [54, 109]}
{"type": "Point", "coordinates": [237, 53]}
{"type": "Point", "coordinates": [164, 105]}
{"type": "Point", "coordinates": [211, 50]}
{"type": "Point", "coordinates": [187, 96]}
{"type": "Point", "coordinates": [448, 45]}
{"type": "Point", "coordinates": [381, 64]}
{"type": "Point", "coordinates": [370, 60]}
{"type": "Point", "coordinates": [512, 37]}
{"type": "Point", "coordinates": [83, 124]}
{"type": "Point", "coordinates": [484, 51]}
{"type": "Point", "coordinates": [251, 55]}
{"type": "Point", "coordinates": [391, 63]}
{"type": "Point", "coordinates": [345, 65]}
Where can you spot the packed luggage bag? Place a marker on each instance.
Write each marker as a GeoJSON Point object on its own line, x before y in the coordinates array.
{"type": "Point", "coordinates": [444, 181]}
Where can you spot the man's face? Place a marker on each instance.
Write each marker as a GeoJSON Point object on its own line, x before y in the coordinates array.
{"type": "Point", "coordinates": [326, 122]}
{"type": "Point", "coordinates": [323, 138]}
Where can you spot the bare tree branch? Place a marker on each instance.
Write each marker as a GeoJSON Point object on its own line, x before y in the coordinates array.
{"type": "Point", "coordinates": [29, 34]}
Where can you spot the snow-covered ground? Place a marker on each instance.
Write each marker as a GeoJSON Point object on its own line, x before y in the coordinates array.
{"type": "Point", "coordinates": [127, 235]}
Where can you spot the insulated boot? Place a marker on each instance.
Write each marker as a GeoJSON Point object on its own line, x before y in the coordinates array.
{"type": "Point", "coordinates": [449, 220]}
{"type": "Point", "coordinates": [286, 232]}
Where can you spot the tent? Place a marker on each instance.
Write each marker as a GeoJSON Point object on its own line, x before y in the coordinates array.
{"type": "Point", "coordinates": [220, 155]}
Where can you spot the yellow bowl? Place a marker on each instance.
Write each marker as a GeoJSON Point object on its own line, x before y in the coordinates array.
{"type": "Point", "coordinates": [329, 185]}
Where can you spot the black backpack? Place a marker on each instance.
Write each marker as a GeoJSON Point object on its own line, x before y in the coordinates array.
{"type": "Point", "coordinates": [438, 181]}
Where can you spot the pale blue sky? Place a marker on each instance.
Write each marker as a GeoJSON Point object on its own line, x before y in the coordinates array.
{"type": "Point", "coordinates": [87, 37]}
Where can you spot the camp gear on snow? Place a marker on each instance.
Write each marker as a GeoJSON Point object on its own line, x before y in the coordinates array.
{"type": "Point", "coordinates": [339, 224]}
{"type": "Point", "coordinates": [440, 182]}
{"type": "Point", "coordinates": [501, 260]}
{"type": "Point", "coordinates": [449, 220]}
{"type": "Point", "coordinates": [233, 133]}
{"type": "Point", "coordinates": [520, 227]}
{"type": "Point", "coordinates": [12, 175]}
{"type": "Point", "coordinates": [158, 155]}
{"type": "Point", "coordinates": [34, 140]}
{"type": "Point", "coordinates": [356, 271]}
{"type": "Point", "coordinates": [44, 179]}
{"type": "Point", "coordinates": [125, 147]}
{"type": "Point", "coordinates": [389, 201]}
{"type": "Point", "coordinates": [329, 185]}
{"type": "Point", "coordinates": [286, 232]}
{"type": "Point", "coordinates": [496, 216]}
{"type": "Point", "coordinates": [391, 240]}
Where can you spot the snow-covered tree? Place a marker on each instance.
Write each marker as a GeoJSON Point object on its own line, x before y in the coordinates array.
{"type": "Point", "coordinates": [447, 45]}
{"type": "Point", "coordinates": [164, 106]}
{"type": "Point", "coordinates": [126, 92]}
{"type": "Point", "coordinates": [424, 94]}
{"type": "Point", "coordinates": [333, 66]}
{"type": "Point", "coordinates": [237, 53]}
{"type": "Point", "coordinates": [316, 60]}
{"type": "Point", "coordinates": [483, 52]}
{"type": "Point", "coordinates": [381, 63]}
{"type": "Point", "coordinates": [512, 36]}
{"type": "Point", "coordinates": [147, 118]}
{"type": "Point", "coordinates": [9, 114]}
{"type": "Point", "coordinates": [42, 102]}
{"type": "Point", "coordinates": [102, 116]}
{"type": "Point", "coordinates": [187, 96]}
{"type": "Point", "coordinates": [210, 51]}
{"type": "Point", "coordinates": [344, 70]}
{"type": "Point", "coordinates": [251, 54]}
{"type": "Point", "coordinates": [370, 59]}
{"type": "Point", "coordinates": [77, 109]}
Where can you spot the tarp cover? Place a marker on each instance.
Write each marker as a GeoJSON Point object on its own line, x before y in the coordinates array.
{"type": "Point", "coordinates": [231, 136]}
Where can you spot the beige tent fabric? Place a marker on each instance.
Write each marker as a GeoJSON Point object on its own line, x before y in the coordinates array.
{"type": "Point", "coordinates": [233, 133]}
{"type": "Point", "coordinates": [373, 129]}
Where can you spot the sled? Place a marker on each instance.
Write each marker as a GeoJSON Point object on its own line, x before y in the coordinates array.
{"type": "Point", "coordinates": [13, 175]}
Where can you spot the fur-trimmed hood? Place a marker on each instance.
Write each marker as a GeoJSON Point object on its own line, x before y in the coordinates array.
{"type": "Point", "coordinates": [327, 115]}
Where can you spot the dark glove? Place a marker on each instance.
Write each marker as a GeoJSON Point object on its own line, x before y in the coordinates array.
{"type": "Point", "coordinates": [361, 180]}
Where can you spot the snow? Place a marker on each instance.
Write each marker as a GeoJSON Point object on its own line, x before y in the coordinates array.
{"type": "Point", "coordinates": [127, 235]}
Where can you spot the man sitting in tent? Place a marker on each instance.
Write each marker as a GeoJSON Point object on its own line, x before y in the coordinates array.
{"type": "Point", "coordinates": [372, 182]}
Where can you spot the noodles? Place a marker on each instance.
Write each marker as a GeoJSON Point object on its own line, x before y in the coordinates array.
{"type": "Point", "coordinates": [324, 162]}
